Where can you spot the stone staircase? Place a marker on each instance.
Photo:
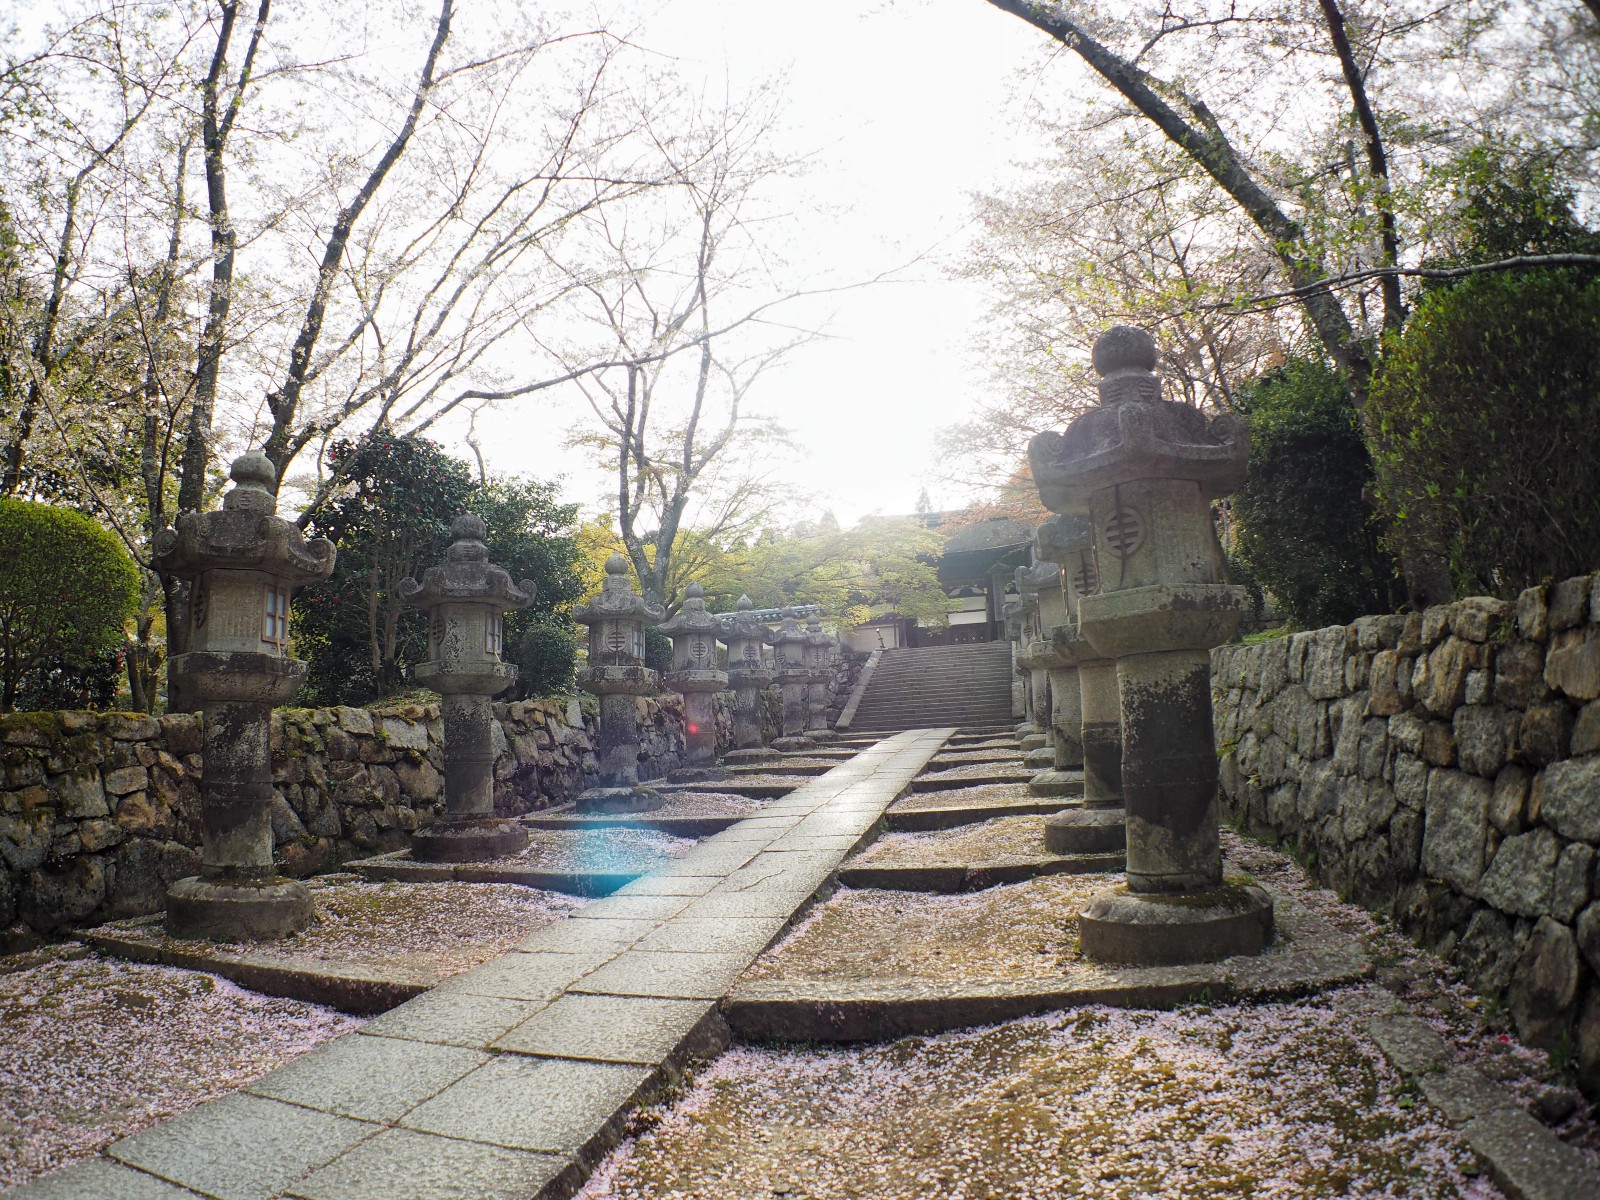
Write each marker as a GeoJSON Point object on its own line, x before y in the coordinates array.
{"type": "Point", "coordinates": [938, 685]}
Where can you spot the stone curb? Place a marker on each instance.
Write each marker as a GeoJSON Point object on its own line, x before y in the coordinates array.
{"type": "Point", "coordinates": [687, 827]}
{"type": "Point", "coordinates": [825, 1010]}
{"type": "Point", "coordinates": [399, 868]}
{"type": "Point", "coordinates": [352, 991]}
{"type": "Point", "coordinates": [974, 877]}
{"type": "Point", "coordinates": [1524, 1158]}
{"type": "Point", "coordinates": [929, 820]}
{"type": "Point", "coordinates": [867, 671]}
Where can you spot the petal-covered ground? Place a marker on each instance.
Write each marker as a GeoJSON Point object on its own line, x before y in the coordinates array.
{"type": "Point", "coordinates": [1005, 839]}
{"type": "Point", "coordinates": [599, 850]}
{"type": "Point", "coordinates": [95, 1049]}
{"type": "Point", "coordinates": [434, 928]}
{"type": "Point", "coordinates": [1274, 1101]}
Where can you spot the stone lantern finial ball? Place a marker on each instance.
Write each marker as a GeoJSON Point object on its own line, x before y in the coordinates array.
{"type": "Point", "coordinates": [745, 604]}
{"type": "Point", "coordinates": [694, 592]}
{"type": "Point", "coordinates": [1124, 347]}
{"type": "Point", "coordinates": [254, 478]}
{"type": "Point", "coordinates": [468, 527]}
{"type": "Point", "coordinates": [616, 565]}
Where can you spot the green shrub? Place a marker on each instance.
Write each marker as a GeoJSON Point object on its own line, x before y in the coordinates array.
{"type": "Point", "coordinates": [1485, 428]}
{"type": "Point", "coordinates": [67, 586]}
{"type": "Point", "coordinates": [546, 654]}
{"type": "Point", "coordinates": [1307, 532]}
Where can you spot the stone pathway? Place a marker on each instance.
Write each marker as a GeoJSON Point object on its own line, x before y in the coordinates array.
{"type": "Point", "coordinates": [513, 1079]}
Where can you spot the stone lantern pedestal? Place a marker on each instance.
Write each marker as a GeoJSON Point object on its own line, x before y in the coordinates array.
{"type": "Point", "coordinates": [696, 677]}
{"type": "Point", "coordinates": [242, 565]}
{"type": "Point", "coordinates": [465, 600]}
{"type": "Point", "coordinates": [819, 659]}
{"type": "Point", "coordinates": [617, 619]}
{"type": "Point", "coordinates": [1097, 827]}
{"type": "Point", "coordinates": [748, 674]}
{"type": "Point", "coordinates": [1040, 583]}
{"type": "Point", "coordinates": [1144, 471]}
{"type": "Point", "coordinates": [793, 675]}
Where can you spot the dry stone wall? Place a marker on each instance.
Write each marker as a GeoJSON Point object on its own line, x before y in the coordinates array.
{"type": "Point", "coordinates": [1443, 767]}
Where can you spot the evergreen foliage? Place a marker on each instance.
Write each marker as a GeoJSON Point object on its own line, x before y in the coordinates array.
{"type": "Point", "coordinates": [66, 588]}
{"type": "Point", "coordinates": [391, 522]}
{"type": "Point", "coordinates": [1485, 428]}
{"type": "Point", "coordinates": [1306, 530]}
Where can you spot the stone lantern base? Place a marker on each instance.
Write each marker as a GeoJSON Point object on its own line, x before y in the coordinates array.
{"type": "Point", "coordinates": [1036, 741]}
{"type": "Point", "coordinates": [696, 774]}
{"type": "Point", "coordinates": [794, 742]}
{"type": "Point", "coordinates": [1151, 929]}
{"type": "Point", "coordinates": [763, 754]}
{"type": "Point", "coordinates": [1086, 831]}
{"type": "Point", "coordinates": [1056, 783]}
{"type": "Point", "coordinates": [636, 799]}
{"type": "Point", "coordinates": [468, 840]}
{"type": "Point", "coordinates": [234, 910]}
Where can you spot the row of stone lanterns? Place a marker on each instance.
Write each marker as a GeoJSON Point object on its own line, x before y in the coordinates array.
{"type": "Point", "coordinates": [1146, 598]}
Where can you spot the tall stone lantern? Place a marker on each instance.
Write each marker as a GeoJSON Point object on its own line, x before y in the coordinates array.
{"type": "Point", "coordinates": [695, 676]}
{"type": "Point", "coordinates": [1056, 605]}
{"type": "Point", "coordinates": [748, 673]}
{"type": "Point", "coordinates": [465, 599]}
{"type": "Point", "coordinates": [1097, 827]}
{"type": "Point", "coordinates": [793, 675]}
{"type": "Point", "coordinates": [617, 619]}
{"type": "Point", "coordinates": [242, 565]}
{"type": "Point", "coordinates": [819, 661]}
{"type": "Point", "coordinates": [1144, 470]}
{"type": "Point", "coordinates": [1021, 612]}
{"type": "Point", "coordinates": [1035, 656]}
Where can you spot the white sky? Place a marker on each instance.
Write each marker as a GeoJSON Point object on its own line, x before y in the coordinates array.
{"type": "Point", "coordinates": [908, 104]}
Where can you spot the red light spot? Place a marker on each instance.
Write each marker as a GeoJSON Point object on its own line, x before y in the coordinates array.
{"type": "Point", "coordinates": [693, 728]}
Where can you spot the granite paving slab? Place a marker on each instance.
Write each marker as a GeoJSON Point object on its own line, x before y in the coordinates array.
{"type": "Point", "coordinates": [511, 1078]}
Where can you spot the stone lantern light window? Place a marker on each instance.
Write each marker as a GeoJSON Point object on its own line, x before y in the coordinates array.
{"type": "Point", "coordinates": [491, 636]}
{"type": "Point", "coordinates": [275, 620]}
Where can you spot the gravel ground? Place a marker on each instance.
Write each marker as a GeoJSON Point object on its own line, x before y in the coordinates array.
{"type": "Point", "coordinates": [688, 804]}
{"type": "Point", "coordinates": [442, 928]}
{"type": "Point", "coordinates": [1019, 931]}
{"type": "Point", "coordinates": [988, 793]}
{"type": "Point", "coordinates": [1005, 839]}
{"type": "Point", "coordinates": [983, 770]}
{"type": "Point", "coordinates": [1281, 1102]}
{"type": "Point", "coordinates": [1204, 1103]}
{"type": "Point", "coordinates": [597, 850]}
{"type": "Point", "coordinates": [96, 1049]}
{"type": "Point", "coordinates": [957, 757]}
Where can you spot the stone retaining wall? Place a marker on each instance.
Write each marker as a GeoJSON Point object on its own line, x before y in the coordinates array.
{"type": "Point", "coordinates": [1443, 767]}
{"type": "Point", "coordinates": [99, 812]}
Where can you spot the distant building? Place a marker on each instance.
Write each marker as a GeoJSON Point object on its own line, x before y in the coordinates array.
{"type": "Point", "coordinates": [979, 558]}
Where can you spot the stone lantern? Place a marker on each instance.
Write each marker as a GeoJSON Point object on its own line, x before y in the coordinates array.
{"type": "Point", "coordinates": [1056, 612]}
{"type": "Point", "coordinates": [242, 565]}
{"type": "Point", "coordinates": [617, 619]}
{"type": "Point", "coordinates": [465, 599]}
{"type": "Point", "coordinates": [1021, 611]}
{"type": "Point", "coordinates": [695, 676]}
{"type": "Point", "coordinates": [793, 674]}
{"type": "Point", "coordinates": [748, 673]}
{"type": "Point", "coordinates": [1145, 470]}
{"type": "Point", "coordinates": [819, 661]}
{"type": "Point", "coordinates": [1035, 656]}
{"type": "Point", "coordinates": [1096, 827]}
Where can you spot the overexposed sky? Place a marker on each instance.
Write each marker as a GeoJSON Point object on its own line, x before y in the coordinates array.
{"type": "Point", "coordinates": [907, 106]}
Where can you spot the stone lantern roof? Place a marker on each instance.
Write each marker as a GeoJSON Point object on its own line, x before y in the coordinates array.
{"type": "Point", "coordinates": [246, 534]}
{"type": "Point", "coordinates": [1135, 434]}
{"type": "Point", "coordinates": [692, 617]}
{"type": "Point", "coordinates": [467, 575]}
{"type": "Point", "coordinates": [617, 598]}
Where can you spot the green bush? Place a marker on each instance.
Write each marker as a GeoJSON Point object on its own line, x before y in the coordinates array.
{"type": "Point", "coordinates": [66, 588]}
{"type": "Point", "coordinates": [546, 654]}
{"type": "Point", "coordinates": [1485, 428]}
{"type": "Point", "coordinates": [1306, 530]}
